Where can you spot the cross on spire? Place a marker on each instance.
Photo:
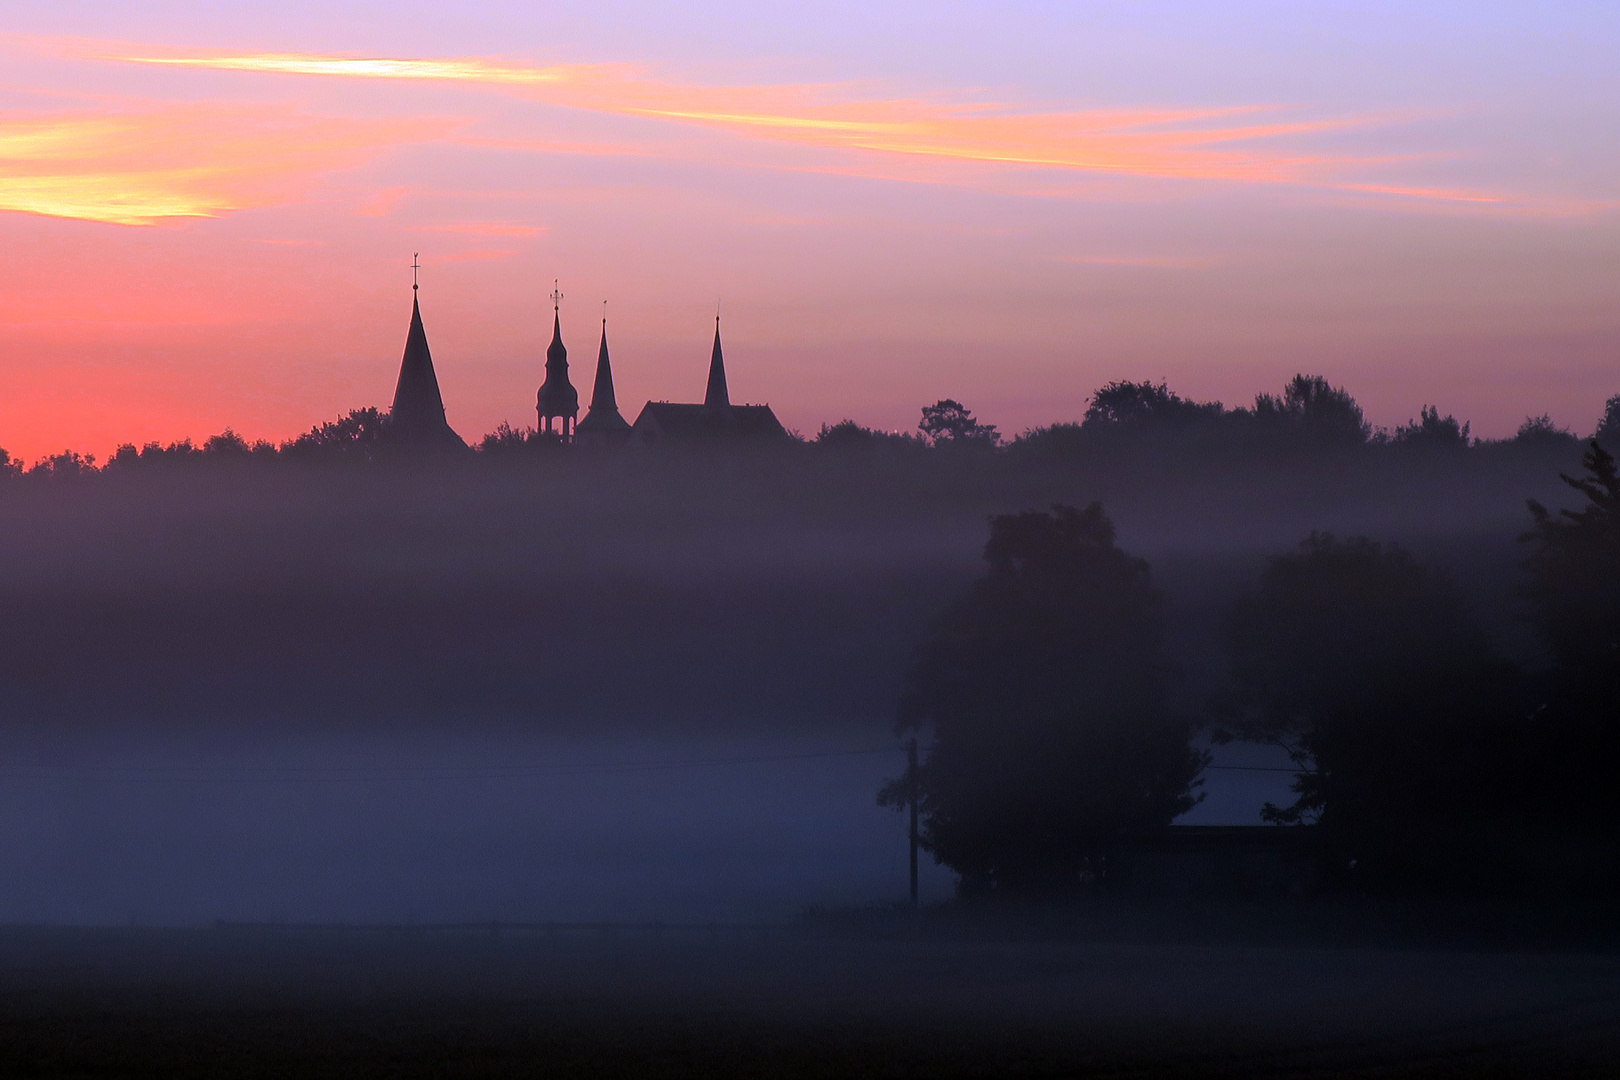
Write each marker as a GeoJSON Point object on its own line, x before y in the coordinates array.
{"type": "Point", "coordinates": [556, 295]}
{"type": "Point", "coordinates": [416, 264]}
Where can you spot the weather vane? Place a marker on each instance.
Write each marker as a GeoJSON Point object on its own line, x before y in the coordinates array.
{"type": "Point", "coordinates": [556, 295]}
{"type": "Point", "coordinates": [416, 264]}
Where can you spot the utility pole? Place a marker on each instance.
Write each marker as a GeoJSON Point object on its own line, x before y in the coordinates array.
{"type": "Point", "coordinates": [911, 799]}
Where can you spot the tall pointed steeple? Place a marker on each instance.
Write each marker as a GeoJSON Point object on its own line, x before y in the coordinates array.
{"type": "Point", "coordinates": [557, 398]}
{"type": "Point", "coordinates": [603, 423]}
{"type": "Point", "coordinates": [717, 397]}
{"type": "Point", "coordinates": [418, 412]}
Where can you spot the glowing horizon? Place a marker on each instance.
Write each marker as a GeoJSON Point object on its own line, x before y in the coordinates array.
{"type": "Point", "coordinates": [211, 211]}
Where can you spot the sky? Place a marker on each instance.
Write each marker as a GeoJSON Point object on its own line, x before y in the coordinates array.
{"type": "Point", "coordinates": [209, 212]}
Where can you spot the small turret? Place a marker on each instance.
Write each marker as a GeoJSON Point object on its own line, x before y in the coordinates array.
{"type": "Point", "coordinates": [557, 398]}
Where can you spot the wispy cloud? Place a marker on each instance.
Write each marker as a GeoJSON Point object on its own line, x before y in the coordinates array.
{"type": "Point", "coordinates": [137, 168]}
{"type": "Point", "coordinates": [924, 139]}
{"type": "Point", "coordinates": [1153, 262]}
{"type": "Point", "coordinates": [1210, 143]}
{"type": "Point", "coordinates": [487, 228]}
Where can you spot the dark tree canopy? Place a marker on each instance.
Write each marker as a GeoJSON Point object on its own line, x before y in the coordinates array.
{"type": "Point", "coordinates": [1310, 406]}
{"type": "Point", "coordinates": [1431, 431]}
{"type": "Point", "coordinates": [1043, 689]}
{"type": "Point", "coordinates": [1146, 403]}
{"type": "Point", "coordinates": [1372, 672]}
{"type": "Point", "coordinates": [848, 435]}
{"type": "Point", "coordinates": [360, 434]}
{"type": "Point", "coordinates": [1542, 432]}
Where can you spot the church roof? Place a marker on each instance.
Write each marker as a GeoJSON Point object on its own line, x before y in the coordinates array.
{"type": "Point", "coordinates": [677, 421]}
{"type": "Point", "coordinates": [716, 420]}
{"type": "Point", "coordinates": [418, 412]}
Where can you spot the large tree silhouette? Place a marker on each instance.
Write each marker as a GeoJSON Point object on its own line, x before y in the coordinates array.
{"type": "Point", "coordinates": [1573, 600]}
{"type": "Point", "coordinates": [1043, 692]}
{"type": "Point", "coordinates": [1372, 672]}
{"type": "Point", "coordinates": [1574, 588]}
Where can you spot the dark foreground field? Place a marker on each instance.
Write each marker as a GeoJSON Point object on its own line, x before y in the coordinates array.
{"type": "Point", "coordinates": [266, 1003]}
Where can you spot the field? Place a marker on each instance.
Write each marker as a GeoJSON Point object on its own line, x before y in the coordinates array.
{"type": "Point", "coordinates": [273, 1002]}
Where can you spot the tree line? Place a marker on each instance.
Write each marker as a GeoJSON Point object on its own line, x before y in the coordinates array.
{"type": "Point", "coordinates": [1308, 417]}
{"type": "Point", "coordinates": [1426, 760]}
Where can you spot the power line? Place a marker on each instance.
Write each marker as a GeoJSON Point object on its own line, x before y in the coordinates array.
{"type": "Point", "coordinates": [208, 774]}
{"type": "Point", "coordinates": [211, 774]}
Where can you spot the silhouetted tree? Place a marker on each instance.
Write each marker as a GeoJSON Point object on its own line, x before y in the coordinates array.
{"type": "Point", "coordinates": [1575, 570]}
{"type": "Point", "coordinates": [848, 435]}
{"type": "Point", "coordinates": [1319, 412]}
{"type": "Point", "coordinates": [1574, 589]}
{"type": "Point", "coordinates": [356, 437]}
{"type": "Point", "coordinates": [1608, 429]}
{"type": "Point", "coordinates": [947, 423]}
{"type": "Point", "coordinates": [1056, 442]}
{"type": "Point", "coordinates": [9, 466]}
{"type": "Point", "coordinates": [67, 465]}
{"type": "Point", "coordinates": [1541, 432]}
{"type": "Point", "coordinates": [1373, 674]}
{"type": "Point", "coordinates": [1431, 431]}
{"type": "Point", "coordinates": [506, 439]}
{"type": "Point", "coordinates": [1572, 599]}
{"type": "Point", "coordinates": [1147, 403]}
{"type": "Point", "coordinates": [1043, 689]}
{"type": "Point", "coordinates": [229, 446]}
{"type": "Point", "coordinates": [153, 454]}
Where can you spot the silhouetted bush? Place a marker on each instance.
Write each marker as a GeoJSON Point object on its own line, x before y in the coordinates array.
{"type": "Point", "coordinates": [1044, 691]}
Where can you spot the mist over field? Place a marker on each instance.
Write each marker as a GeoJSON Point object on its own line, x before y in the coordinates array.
{"type": "Point", "coordinates": [783, 592]}
{"type": "Point", "coordinates": [578, 687]}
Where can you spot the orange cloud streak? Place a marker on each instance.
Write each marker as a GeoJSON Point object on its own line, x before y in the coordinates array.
{"type": "Point", "coordinates": [1187, 143]}
{"type": "Point", "coordinates": [184, 161]}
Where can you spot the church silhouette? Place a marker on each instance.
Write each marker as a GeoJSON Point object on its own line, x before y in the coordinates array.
{"type": "Point", "coordinates": [418, 420]}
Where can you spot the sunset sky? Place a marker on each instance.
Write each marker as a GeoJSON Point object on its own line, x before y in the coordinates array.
{"type": "Point", "coordinates": [209, 211]}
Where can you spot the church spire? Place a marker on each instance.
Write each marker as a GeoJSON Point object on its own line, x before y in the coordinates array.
{"type": "Point", "coordinates": [417, 415]}
{"type": "Point", "coordinates": [602, 424]}
{"type": "Point", "coordinates": [717, 397]}
{"type": "Point", "coordinates": [602, 396]}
